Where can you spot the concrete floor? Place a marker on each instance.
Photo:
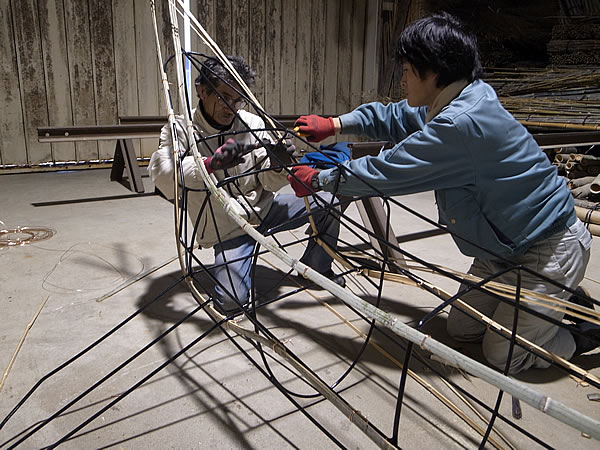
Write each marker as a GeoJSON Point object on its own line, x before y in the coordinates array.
{"type": "Point", "coordinates": [212, 396]}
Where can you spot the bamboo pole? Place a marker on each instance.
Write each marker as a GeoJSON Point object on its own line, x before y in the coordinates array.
{"type": "Point", "coordinates": [578, 182]}
{"type": "Point", "coordinates": [587, 159]}
{"type": "Point", "coordinates": [588, 215]}
{"type": "Point", "coordinates": [595, 187]}
{"type": "Point", "coordinates": [582, 191]}
{"type": "Point", "coordinates": [567, 126]}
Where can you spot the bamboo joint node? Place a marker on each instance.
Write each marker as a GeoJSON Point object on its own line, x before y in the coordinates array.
{"type": "Point", "coordinates": [353, 413]}
{"type": "Point", "coordinates": [544, 403]}
{"type": "Point", "coordinates": [278, 348]}
{"type": "Point", "coordinates": [422, 344]}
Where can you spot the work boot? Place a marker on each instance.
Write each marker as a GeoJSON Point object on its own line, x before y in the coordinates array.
{"type": "Point", "coordinates": [337, 279]}
{"type": "Point", "coordinates": [229, 308]}
{"type": "Point", "coordinates": [578, 298]}
{"type": "Point", "coordinates": [588, 340]}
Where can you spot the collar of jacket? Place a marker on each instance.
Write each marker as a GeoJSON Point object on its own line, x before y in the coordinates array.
{"type": "Point", "coordinates": [208, 125]}
{"type": "Point", "coordinates": [448, 94]}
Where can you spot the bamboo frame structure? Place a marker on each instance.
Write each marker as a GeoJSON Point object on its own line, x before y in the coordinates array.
{"type": "Point", "coordinates": [264, 340]}
{"type": "Point", "coordinates": [383, 318]}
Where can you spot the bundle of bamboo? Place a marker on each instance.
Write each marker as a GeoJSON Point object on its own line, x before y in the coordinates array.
{"type": "Point", "coordinates": [575, 43]}
{"type": "Point", "coordinates": [548, 82]}
{"type": "Point", "coordinates": [550, 98]}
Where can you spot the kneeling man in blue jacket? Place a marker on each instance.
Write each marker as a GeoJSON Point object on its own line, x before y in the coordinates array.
{"type": "Point", "coordinates": [493, 186]}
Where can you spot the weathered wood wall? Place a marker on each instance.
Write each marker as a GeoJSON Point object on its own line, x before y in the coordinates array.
{"type": "Point", "coordinates": [86, 62]}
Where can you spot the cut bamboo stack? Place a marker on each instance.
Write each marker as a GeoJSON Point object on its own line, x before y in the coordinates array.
{"type": "Point", "coordinates": [583, 174]}
{"type": "Point", "coordinates": [576, 166]}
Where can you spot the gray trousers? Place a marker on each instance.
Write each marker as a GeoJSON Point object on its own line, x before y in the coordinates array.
{"type": "Point", "coordinates": [563, 257]}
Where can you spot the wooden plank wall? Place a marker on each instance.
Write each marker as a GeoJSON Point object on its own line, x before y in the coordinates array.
{"type": "Point", "coordinates": [86, 62]}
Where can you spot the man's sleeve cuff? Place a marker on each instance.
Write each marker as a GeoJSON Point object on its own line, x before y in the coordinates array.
{"type": "Point", "coordinates": [327, 178]}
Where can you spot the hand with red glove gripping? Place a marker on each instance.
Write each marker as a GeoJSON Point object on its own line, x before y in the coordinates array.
{"type": "Point", "coordinates": [315, 128]}
{"type": "Point", "coordinates": [227, 156]}
{"type": "Point", "coordinates": [305, 180]}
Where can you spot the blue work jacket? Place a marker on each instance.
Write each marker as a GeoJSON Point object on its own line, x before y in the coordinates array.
{"type": "Point", "coordinates": [493, 185]}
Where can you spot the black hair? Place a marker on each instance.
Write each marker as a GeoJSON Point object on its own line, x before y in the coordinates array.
{"type": "Point", "coordinates": [214, 72]}
{"type": "Point", "coordinates": [441, 43]}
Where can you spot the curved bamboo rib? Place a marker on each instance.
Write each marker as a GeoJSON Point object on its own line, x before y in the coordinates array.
{"type": "Point", "coordinates": [517, 389]}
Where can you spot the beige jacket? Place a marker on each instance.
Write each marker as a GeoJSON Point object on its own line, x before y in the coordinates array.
{"type": "Point", "coordinates": [254, 193]}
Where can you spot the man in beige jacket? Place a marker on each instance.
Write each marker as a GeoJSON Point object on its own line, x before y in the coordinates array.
{"type": "Point", "coordinates": [219, 114]}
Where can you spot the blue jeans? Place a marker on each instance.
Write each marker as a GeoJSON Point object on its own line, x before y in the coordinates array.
{"type": "Point", "coordinates": [233, 258]}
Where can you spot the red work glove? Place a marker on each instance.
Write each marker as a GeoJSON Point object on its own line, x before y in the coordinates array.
{"type": "Point", "coordinates": [315, 128]}
{"type": "Point", "coordinates": [227, 156]}
{"type": "Point", "coordinates": [305, 180]}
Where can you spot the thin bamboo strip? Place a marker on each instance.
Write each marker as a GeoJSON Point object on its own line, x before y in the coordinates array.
{"type": "Point", "coordinates": [468, 403]}
{"type": "Point", "coordinates": [501, 289]}
{"type": "Point", "coordinates": [527, 296]}
{"type": "Point", "coordinates": [566, 46]}
{"type": "Point", "coordinates": [509, 292]}
{"type": "Point", "coordinates": [210, 43]}
{"type": "Point", "coordinates": [428, 386]}
{"type": "Point", "coordinates": [354, 415]}
{"type": "Point", "coordinates": [20, 344]}
{"type": "Point", "coordinates": [523, 81]}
